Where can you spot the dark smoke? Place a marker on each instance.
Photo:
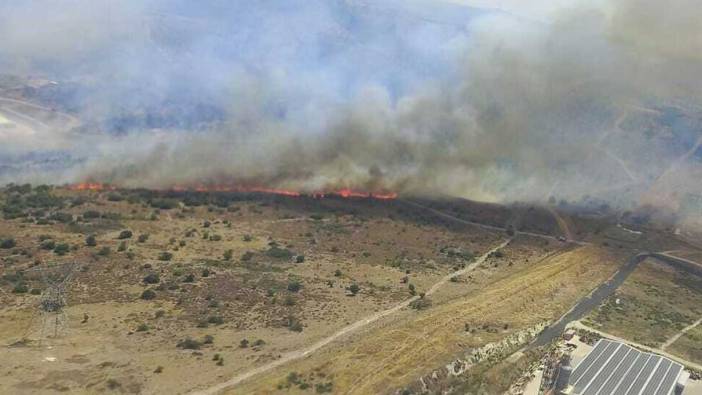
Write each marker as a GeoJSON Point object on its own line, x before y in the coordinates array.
{"type": "Point", "coordinates": [596, 102]}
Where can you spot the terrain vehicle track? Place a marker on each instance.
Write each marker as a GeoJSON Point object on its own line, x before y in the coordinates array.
{"type": "Point", "coordinates": [294, 355]}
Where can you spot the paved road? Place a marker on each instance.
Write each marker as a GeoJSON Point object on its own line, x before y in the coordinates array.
{"type": "Point", "coordinates": [586, 304]}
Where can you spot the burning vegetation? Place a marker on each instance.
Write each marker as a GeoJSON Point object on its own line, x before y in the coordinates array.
{"type": "Point", "coordinates": [343, 192]}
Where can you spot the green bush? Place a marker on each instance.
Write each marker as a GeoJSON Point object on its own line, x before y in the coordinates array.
{"type": "Point", "coordinates": [125, 234]}
{"type": "Point", "coordinates": [20, 288]}
{"type": "Point", "coordinates": [189, 344]}
{"type": "Point", "coordinates": [165, 256]}
{"type": "Point", "coordinates": [354, 288]}
{"type": "Point", "coordinates": [143, 237]}
{"type": "Point", "coordinates": [294, 324]}
{"type": "Point", "coordinates": [61, 249]}
{"type": "Point", "coordinates": [61, 217]}
{"type": "Point", "coordinates": [152, 278]}
{"type": "Point", "coordinates": [148, 294]}
{"type": "Point", "coordinates": [91, 214]}
{"type": "Point", "coordinates": [90, 241]}
{"type": "Point", "coordinates": [294, 286]}
{"type": "Point", "coordinates": [228, 255]}
{"type": "Point", "coordinates": [279, 253]}
{"type": "Point", "coordinates": [190, 278]}
{"type": "Point", "coordinates": [7, 244]}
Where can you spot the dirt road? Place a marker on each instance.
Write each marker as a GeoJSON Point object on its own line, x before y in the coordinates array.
{"type": "Point", "coordinates": [346, 330]}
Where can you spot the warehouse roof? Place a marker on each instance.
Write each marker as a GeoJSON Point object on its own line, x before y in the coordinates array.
{"type": "Point", "coordinates": [615, 368]}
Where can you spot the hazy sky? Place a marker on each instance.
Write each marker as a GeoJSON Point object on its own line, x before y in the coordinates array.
{"type": "Point", "coordinates": [411, 95]}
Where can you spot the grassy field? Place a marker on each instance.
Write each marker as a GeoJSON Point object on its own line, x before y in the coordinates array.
{"type": "Point", "coordinates": [652, 305]}
{"type": "Point", "coordinates": [396, 352]}
{"type": "Point", "coordinates": [240, 278]}
{"type": "Point", "coordinates": [689, 345]}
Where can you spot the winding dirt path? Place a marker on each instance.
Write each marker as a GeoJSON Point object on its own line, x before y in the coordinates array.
{"type": "Point", "coordinates": [294, 355]}
{"type": "Point", "coordinates": [678, 335]}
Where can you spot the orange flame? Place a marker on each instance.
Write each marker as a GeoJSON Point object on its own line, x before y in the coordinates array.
{"type": "Point", "coordinates": [344, 192]}
{"type": "Point", "coordinates": [91, 186]}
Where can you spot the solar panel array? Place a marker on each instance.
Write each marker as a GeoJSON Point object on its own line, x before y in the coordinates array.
{"type": "Point", "coordinates": [615, 368]}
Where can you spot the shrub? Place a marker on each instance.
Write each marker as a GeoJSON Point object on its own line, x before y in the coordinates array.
{"type": "Point", "coordinates": [165, 256]}
{"type": "Point", "coordinates": [143, 237]}
{"type": "Point", "coordinates": [125, 234]}
{"type": "Point", "coordinates": [115, 197]}
{"type": "Point", "coordinates": [61, 217]}
{"type": "Point", "coordinates": [122, 246]}
{"type": "Point", "coordinates": [7, 244]}
{"type": "Point", "coordinates": [61, 249]}
{"type": "Point", "coordinates": [243, 343]}
{"type": "Point", "coordinates": [300, 259]}
{"type": "Point", "coordinates": [337, 273]}
{"type": "Point", "coordinates": [247, 238]}
{"type": "Point", "coordinates": [90, 241]}
{"type": "Point", "coordinates": [208, 339]}
{"type": "Point", "coordinates": [215, 320]}
{"type": "Point", "coordinates": [91, 214]}
{"type": "Point", "coordinates": [152, 278]}
{"type": "Point", "coordinates": [247, 256]}
{"type": "Point", "coordinates": [189, 344]}
{"type": "Point", "coordinates": [294, 286]}
{"type": "Point", "coordinates": [206, 224]}
{"type": "Point", "coordinates": [190, 278]}
{"type": "Point", "coordinates": [47, 245]}
{"type": "Point", "coordinates": [148, 294]}
{"type": "Point", "coordinates": [142, 328]}
{"type": "Point", "coordinates": [35, 291]}
{"type": "Point", "coordinates": [205, 272]}
{"type": "Point", "coordinates": [215, 238]}
{"type": "Point", "coordinates": [20, 289]}
{"type": "Point", "coordinates": [163, 204]}
{"type": "Point", "coordinates": [354, 288]}
{"type": "Point", "coordinates": [293, 324]}
{"type": "Point", "coordinates": [279, 253]}
{"type": "Point", "coordinates": [421, 303]}
{"type": "Point", "coordinates": [259, 343]}
{"type": "Point", "coordinates": [228, 255]}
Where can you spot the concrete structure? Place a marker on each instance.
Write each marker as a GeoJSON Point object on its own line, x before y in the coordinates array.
{"type": "Point", "coordinates": [616, 368]}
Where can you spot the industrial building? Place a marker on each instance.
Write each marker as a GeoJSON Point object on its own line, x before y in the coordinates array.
{"type": "Point", "coordinates": [616, 368]}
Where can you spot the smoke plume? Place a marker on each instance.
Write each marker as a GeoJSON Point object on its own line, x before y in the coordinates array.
{"type": "Point", "coordinates": [594, 101]}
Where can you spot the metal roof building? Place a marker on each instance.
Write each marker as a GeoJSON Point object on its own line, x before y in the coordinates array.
{"type": "Point", "coordinates": [615, 368]}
